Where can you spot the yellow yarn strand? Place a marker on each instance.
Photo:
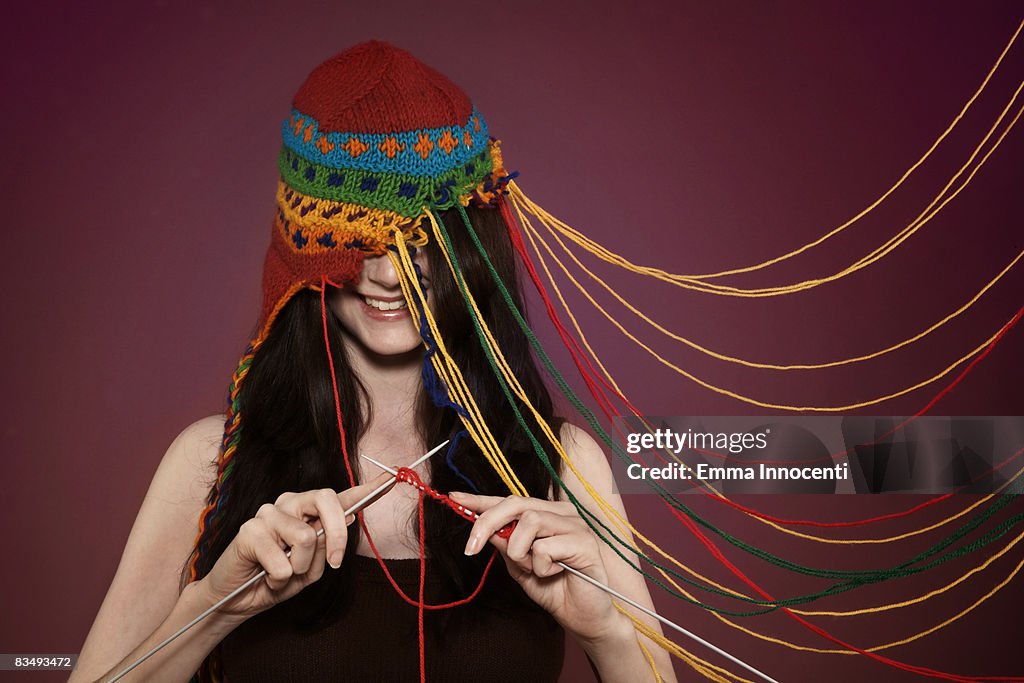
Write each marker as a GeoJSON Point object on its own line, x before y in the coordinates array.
{"type": "Point", "coordinates": [609, 510]}
{"type": "Point", "coordinates": [848, 613]}
{"type": "Point", "coordinates": [707, 580]}
{"type": "Point", "coordinates": [450, 373]}
{"type": "Point", "coordinates": [752, 401]}
{"type": "Point", "coordinates": [921, 598]}
{"type": "Point", "coordinates": [884, 646]}
{"type": "Point", "coordinates": [888, 192]}
{"type": "Point", "coordinates": [710, 487]}
{"type": "Point", "coordinates": [897, 537]}
{"type": "Point", "coordinates": [565, 306]}
{"type": "Point", "coordinates": [650, 660]}
{"type": "Point", "coordinates": [753, 364]}
{"type": "Point", "coordinates": [514, 385]}
{"type": "Point", "coordinates": [695, 283]}
{"type": "Point", "coordinates": [701, 666]}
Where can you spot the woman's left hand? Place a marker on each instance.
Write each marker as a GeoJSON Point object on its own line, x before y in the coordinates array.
{"type": "Point", "coordinates": [547, 532]}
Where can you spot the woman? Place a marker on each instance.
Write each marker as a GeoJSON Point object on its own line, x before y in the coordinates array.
{"type": "Point", "coordinates": [339, 368]}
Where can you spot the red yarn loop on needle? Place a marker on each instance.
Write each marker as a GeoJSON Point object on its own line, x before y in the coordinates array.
{"type": "Point", "coordinates": [410, 477]}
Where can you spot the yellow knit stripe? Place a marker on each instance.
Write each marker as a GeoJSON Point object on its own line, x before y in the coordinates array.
{"type": "Point", "coordinates": [341, 222]}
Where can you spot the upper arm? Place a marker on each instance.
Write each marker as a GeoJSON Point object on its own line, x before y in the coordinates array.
{"type": "Point", "coordinates": [588, 467]}
{"type": "Point", "coordinates": [146, 585]}
{"type": "Point", "coordinates": [588, 459]}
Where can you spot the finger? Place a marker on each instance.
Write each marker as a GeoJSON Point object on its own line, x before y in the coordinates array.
{"type": "Point", "coordinates": [260, 546]}
{"type": "Point", "coordinates": [514, 570]}
{"type": "Point", "coordinates": [533, 526]}
{"type": "Point", "coordinates": [526, 530]}
{"type": "Point", "coordinates": [475, 502]}
{"type": "Point", "coordinates": [479, 503]}
{"type": "Point", "coordinates": [325, 505]}
{"type": "Point", "coordinates": [544, 563]}
{"type": "Point", "coordinates": [316, 567]}
{"type": "Point", "coordinates": [299, 536]}
{"type": "Point", "coordinates": [508, 510]}
{"type": "Point", "coordinates": [351, 496]}
{"type": "Point", "coordinates": [577, 550]}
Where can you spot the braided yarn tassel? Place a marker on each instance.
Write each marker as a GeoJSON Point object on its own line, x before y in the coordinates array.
{"type": "Point", "coordinates": [209, 670]}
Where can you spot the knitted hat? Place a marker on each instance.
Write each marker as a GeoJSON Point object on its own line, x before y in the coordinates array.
{"type": "Point", "coordinates": [375, 138]}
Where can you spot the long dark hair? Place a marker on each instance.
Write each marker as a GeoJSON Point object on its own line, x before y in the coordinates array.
{"type": "Point", "coordinates": [290, 440]}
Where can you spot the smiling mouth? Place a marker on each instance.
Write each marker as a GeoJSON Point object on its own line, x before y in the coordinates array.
{"type": "Point", "coordinates": [381, 305]}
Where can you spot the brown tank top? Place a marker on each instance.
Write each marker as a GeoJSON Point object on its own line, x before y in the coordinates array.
{"type": "Point", "coordinates": [376, 638]}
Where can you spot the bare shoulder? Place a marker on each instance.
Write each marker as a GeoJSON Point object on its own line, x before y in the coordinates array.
{"type": "Point", "coordinates": [587, 457]}
{"type": "Point", "coordinates": [197, 442]}
{"type": "Point", "coordinates": [577, 438]}
{"type": "Point", "coordinates": [194, 452]}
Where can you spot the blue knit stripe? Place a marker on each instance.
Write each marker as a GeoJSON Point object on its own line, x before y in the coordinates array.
{"type": "Point", "coordinates": [335, 150]}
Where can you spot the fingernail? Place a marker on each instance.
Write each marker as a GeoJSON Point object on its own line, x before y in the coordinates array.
{"type": "Point", "coordinates": [335, 560]}
{"type": "Point", "coordinates": [473, 546]}
{"type": "Point", "coordinates": [456, 494]}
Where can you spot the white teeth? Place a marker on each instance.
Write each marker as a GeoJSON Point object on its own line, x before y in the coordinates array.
{"type": "Point", "coordinates": [384, 305]}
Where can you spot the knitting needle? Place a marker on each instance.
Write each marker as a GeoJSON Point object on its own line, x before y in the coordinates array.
{"type": "Point", "coordinates": [611, 591]}
{"type": "Point", "coordinates": [359, 505]}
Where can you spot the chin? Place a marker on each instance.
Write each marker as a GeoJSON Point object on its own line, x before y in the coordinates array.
{"type": "Point", "coordinates": [394, 348]}
{"type": "Point", "coordinates": [383, 330]}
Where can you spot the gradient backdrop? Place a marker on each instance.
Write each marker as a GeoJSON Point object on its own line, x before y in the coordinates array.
{"type": "Point", "coordinates": [139, 173]}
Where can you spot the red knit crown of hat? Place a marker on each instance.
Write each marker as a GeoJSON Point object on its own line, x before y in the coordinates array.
{"type": "Point", "coordinates": [375, 87]}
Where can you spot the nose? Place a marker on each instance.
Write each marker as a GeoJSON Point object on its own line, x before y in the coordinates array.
{"type": "Point", "coordinates": [380, 271]}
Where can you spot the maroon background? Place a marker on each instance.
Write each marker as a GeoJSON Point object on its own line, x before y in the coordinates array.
{"type": "Point", "coordinates": [139, 172]}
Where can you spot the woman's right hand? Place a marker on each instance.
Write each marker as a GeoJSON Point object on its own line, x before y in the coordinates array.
{"type": "Point", "coordinates": [262, 542]}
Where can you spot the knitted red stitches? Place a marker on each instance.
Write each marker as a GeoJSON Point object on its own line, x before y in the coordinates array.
{"type": "Point", "coordinates": [375, 87]}
{"type": "Point", "coordinates": [410, 477]}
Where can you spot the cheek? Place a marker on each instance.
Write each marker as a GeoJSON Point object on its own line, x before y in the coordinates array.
{"type": "Point", "coordinates": [343, 305]}
{"type": "Point", "coordinates": [422, 264]}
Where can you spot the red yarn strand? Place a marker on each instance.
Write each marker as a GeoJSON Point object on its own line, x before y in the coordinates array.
{"type": "Point", "coordinates": [423, 490]}
{"type": "Point", "coordinates": [423, 581]}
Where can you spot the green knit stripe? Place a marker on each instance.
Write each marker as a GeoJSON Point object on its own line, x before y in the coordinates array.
{"type": "Point", "coordinates": [406, 195]}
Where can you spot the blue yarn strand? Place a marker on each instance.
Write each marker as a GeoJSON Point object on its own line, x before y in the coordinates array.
{"type": "Point", "coordinates": [432, 383]}
{"type": "Point", "coordinates": [450, 460]}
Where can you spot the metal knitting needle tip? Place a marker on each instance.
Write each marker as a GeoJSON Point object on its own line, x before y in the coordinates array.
{"type": "Point", "coordinates": [365, 500]}
{"type": "Point", "coordinates": [359, 505]}
{"type": "Point", "coordinates": [390, 470]}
